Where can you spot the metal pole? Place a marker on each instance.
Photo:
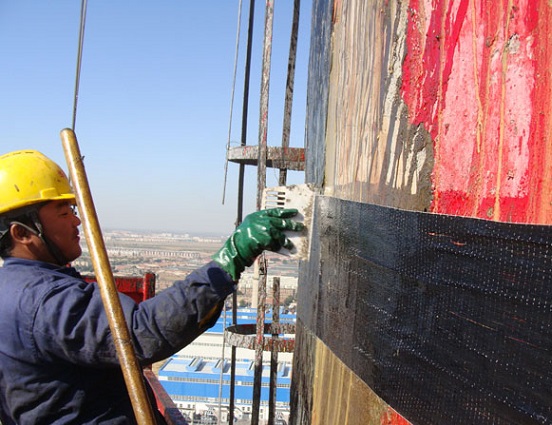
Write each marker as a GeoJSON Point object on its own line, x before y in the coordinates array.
{"type": "Point", "coordinates": [282, 182]}
{"type": "Point", "coordinates": [259, 341]}
{"type": "Point", "coordinates": [289, 87]}
{"type": "Point", "coordinates": [261, 184]}
{"type": "Point", "coordinates": [132, 371]}
{"type": "Point", "coordinates": [221, 377]}
{"type": "Point", "coordinates": [241, 179]}
{"type": "Point", "coordinates": [263, 119]}
{"type": "Point", "coordinates": [274, 351]}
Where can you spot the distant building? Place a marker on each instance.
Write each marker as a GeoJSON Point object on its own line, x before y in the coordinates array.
{"type": "Point", "coordinates": [288, 286]}
{"type": "Point", "coordinates": [198, 377]}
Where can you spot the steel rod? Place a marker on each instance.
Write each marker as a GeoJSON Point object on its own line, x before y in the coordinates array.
{"type": "Point", "coordinates": [260, 266]}
{"type": "Point", "coordinates": [261, 184]}
{"type": "Point", "coordinates": [241, 181]}
{"type": "Point", "coordinates": [264, 101]}
{"type": "Point", "coordinates": [289, 87]}
{"type": "Point", "coordinates": [273, 387]}
{"type": "Point", "coordinates": [131, 369]}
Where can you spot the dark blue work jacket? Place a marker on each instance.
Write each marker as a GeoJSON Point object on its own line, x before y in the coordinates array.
{"type": "Point", "coordinates": [58, 362]}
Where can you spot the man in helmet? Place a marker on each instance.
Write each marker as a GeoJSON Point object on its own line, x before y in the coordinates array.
{"type": "Point", "coordinates": [58, 361]}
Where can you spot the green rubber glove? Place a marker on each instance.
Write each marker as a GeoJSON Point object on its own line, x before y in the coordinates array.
{"type": "Point", "coordinates": [259, 231]}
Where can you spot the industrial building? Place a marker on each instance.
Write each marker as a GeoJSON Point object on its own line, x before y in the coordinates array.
{"type": "Point", "coordinates": [198, 377]}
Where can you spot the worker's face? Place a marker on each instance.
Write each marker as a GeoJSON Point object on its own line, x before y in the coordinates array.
{"type": "Point", "coordinates": [60, 226]}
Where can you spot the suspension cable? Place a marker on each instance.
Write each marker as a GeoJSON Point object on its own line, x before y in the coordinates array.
{"type": "Point", "coordinates": [79, 60]}
{"type": "Point", "coordinates": [130, 368]}
{"type": "Point", "coordinates": [232, 98]}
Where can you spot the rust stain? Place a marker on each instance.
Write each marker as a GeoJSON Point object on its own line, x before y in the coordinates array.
{"type": "Point", "coordinates": [246, 336]}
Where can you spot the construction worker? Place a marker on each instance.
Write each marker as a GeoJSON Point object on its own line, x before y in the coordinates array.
{"type": "Point", "coordinates": [58, 361]}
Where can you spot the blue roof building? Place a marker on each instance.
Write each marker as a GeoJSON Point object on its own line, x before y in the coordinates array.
{"type": "Point", "coordinates": [198, 377]}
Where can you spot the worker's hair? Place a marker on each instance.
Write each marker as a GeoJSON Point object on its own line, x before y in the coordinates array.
{"type": "Point", "coordinates": [6, 246]}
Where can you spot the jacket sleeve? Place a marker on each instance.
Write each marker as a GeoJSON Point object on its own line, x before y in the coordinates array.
{"type": "Point", "coordinates": [172, 319]}
{"type": "Point", "coordinates": [71, 323]}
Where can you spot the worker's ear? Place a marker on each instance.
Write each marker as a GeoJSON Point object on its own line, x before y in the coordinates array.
{"type": "Point", "coordinates": [20, 233]}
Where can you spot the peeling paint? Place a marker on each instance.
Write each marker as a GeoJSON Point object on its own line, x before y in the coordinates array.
{"type": "Point", "coordinates": [471, 77]}
{"type": "Point", "coordinates": [426, 105]}
{"type": "Point", "coordinates": [373, 154]}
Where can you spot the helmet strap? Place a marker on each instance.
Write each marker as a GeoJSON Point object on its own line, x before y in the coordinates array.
{"type": "Point", "coordinates": [32, 214]}
{"type": "Point", "coordinates": [29, 228]}
{"type": "Point", "coordinates": [50, 246]}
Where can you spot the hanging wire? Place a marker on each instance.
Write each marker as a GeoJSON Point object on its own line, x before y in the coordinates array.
{"type": "Point", "coordinates": [230, 407]}
{"type": "Point", "coordinates": [79, 60]}
{"type": "Point", "coordinates": [232, 98]}
{"type": "Point", "coordinates": [241, 181]}
{"type": "Point", "coordinates": [223, 361]}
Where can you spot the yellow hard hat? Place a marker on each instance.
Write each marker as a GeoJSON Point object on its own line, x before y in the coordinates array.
{"type": "Point", "coordinates": [28, 177]}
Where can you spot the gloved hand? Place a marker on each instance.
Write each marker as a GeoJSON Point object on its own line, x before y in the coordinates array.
{"type": "Point", "coordinates": [259, 231]}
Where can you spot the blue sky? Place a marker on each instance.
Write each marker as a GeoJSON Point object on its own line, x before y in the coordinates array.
{"type": "Point", "coordinates": [154, 101]}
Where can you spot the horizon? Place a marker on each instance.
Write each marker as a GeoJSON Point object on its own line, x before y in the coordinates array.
{"type": "Point", "coordinates": [154, 102]}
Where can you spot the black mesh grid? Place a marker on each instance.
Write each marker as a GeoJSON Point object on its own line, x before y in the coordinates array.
{"type": "Point", "coordinates": [448, 319]}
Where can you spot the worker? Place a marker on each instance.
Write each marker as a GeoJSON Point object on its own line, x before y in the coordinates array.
{"type": "Point", "coordinates": [58, 361]}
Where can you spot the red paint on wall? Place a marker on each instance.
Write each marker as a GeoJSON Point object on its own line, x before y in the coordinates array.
{"type": "Point", "coordinates": [390, 417]}
{"type": "Point", "coordinates": [541, 124]}
{"type": "Point", "coordinates": [477, 77]}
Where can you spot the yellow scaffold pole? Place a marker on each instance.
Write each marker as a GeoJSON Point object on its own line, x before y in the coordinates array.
{"type": "Point", "coordinates": [132, 371]}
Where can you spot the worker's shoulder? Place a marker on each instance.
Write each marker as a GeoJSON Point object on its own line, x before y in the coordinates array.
{"type": "Point", "coordinates": [22, 274]}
